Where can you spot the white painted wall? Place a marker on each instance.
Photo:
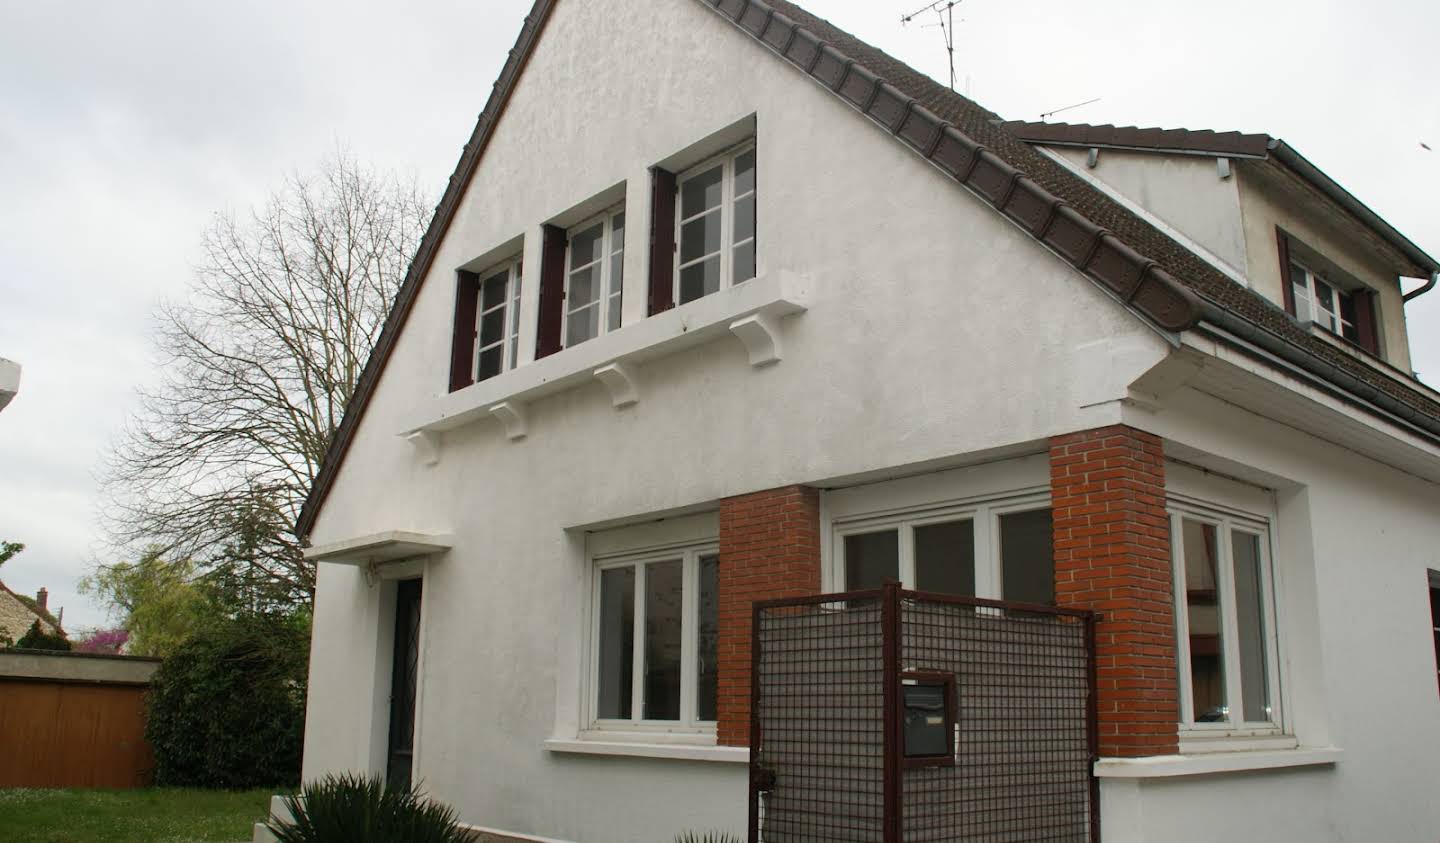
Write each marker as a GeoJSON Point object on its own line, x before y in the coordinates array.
{"type": "Point", "coordinates": [1185, 191]}
{"type": "Point", "coordinates": [936, 333]}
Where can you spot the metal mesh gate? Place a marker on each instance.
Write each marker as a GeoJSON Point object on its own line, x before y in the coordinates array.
{"type": "Point", "coordinates": [893, 715]}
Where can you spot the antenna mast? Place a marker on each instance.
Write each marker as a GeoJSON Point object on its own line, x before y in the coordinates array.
{"type": "Point", "coordinates": [945, 11]}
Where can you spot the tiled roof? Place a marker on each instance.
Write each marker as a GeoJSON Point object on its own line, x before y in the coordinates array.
{"type": "Point", "coordinates": [17, 615]}
{"type": "Point", "coordinates": [1148, 270]}
{"type": "Point", "coordinates": [1134, 137]}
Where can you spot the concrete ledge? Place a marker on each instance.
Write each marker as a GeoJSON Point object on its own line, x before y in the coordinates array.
{"type": "Point", "coordinates": [43, 665]}
{"type": "Point", "coordinates": [677, 752]}
{"type": "Point", "coordinates": [1165, 766]}
{"type": "Point", "coordinates": [491, 835]}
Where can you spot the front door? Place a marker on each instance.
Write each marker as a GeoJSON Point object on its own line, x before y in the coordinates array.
{"type": "Point", "coordinates": [404, 680]}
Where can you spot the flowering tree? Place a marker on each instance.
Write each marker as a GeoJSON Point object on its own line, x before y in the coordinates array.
{"type": "Point", "coordinates": [110, 641]}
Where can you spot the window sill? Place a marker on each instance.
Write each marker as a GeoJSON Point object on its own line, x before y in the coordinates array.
{"type": "Point", "coordinates": [1167, 766]}
{"type": "Point", "coordinates": [751, 311]}
{"type": "Point", "coordinates": [635, 749]}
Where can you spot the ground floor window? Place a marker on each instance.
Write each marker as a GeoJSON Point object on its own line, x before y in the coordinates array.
{"type": "Point", "coordinates": [1224, 619]}
{"type": "Point", "coordinates": [993, 549]}
{"type": "Point", "coordinates": [656, 639]}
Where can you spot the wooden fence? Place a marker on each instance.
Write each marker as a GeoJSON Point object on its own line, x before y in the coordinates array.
{"type": "Point", "coordinates": [73, 720]}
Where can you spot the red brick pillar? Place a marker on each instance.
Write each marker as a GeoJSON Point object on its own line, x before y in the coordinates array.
{"type": "Point", "coordinates": [769, 548]}
{"type": "Point", "coordinates": [1112, 555]}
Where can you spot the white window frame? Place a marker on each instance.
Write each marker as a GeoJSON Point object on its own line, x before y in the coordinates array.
{"type": "Point", "coordinates": [510, 304]}
{"type": "Point", "coordinates": [609, 294]}
{"type": "Point", "coordinates": [983, 512]}
{"type": "Point", "coordinates": [1313, 281]}
{"type": "Point", "coordinates": [1226, 520]}
{"type": "Point", "coordinates": [689, 554]}
{"type": "Point", "coordinates": [728, 198]}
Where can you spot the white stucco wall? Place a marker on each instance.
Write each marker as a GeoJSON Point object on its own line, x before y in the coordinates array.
{"type": "Point", "coordinates": [1185, 191]}
{"type": "Point", "coordinates": [936, 334]}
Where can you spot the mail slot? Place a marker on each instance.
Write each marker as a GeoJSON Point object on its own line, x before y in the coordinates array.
{"type": "Point", "coordinates": [928, 710]}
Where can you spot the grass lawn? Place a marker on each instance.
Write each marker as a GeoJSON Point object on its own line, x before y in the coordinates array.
{"type": "Point", "coordinates": [155, 815]}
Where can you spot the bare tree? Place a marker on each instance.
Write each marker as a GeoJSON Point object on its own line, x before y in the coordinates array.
{"type": "Point", "coordinates": [259, 361]}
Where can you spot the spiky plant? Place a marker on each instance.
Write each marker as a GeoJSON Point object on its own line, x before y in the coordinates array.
{"type": "Point", "coordinates": [707, 837]}
{"type": "Point", "coordinates": [352, 808]}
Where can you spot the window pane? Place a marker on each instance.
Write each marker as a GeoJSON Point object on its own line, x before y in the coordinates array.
{"type": "Point", "coordinates": [700, 279]}
{"type": "Point", "coordinates": [1435, 607]}
{"type": "Point", "coordinates": [617, 232]}
{"type": "Point", "coordinates": [700, 237]}
{"type": "Point", "coordinates": [617, 642]}
{"type": "Point", "coordinates": [1250, 614]}
{"type": "Point", "coordinates": [745, 262]}
{"type": "Point", "coordinates": [585, 245]}
{"type": "Point", "coordinates": [581, 325]}
{"type": "Point", "coordinates": [871, 559]}
{"type": "Point", "coordinates": [1027, 558]}
{"type": "Point", "coordinates": [945, 558]}
{"type": "Point", "coordinates": [707, 685]}
{"type": "Point", "coordinates": [744, 219]}
{"type": "Point", "coordinates": [584, 288]}
{"type": "Point", "coordinates": [492, 360]}
{"type": "Point", "coordinates": [492, 293]}
{"type": "Point", "coordinates": [1207, 659]}
{"type": "Point", "coordinates": [663, 609]}
{"type": "Point", "coordinates": [701, 192]}
{"type": "Point", "coordinates": [745, 173]}
{"type": "Point", "coordinates": [492, 327]}
{"type": "Point", "coordinates": [612, 320]}
{"type": "Point", "coordinates": [1302, 302]}
{"type": "Point", "coordinates": [1325, 296]}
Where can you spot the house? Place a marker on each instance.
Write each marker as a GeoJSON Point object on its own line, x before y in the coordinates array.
{"type": "Point", "coordinates": [723, 305]}
{"type": "Point", "coordinates": [18, 613]}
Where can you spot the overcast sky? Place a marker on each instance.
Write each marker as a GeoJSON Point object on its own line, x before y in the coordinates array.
{"type": "Point", "coordinates": [124, 124]}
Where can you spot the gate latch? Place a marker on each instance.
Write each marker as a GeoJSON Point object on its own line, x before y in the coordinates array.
{"type": "Point", "coordinates": [762, 778]}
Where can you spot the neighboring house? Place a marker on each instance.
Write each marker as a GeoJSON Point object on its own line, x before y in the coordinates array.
{"type": "Point", "coordinates": [9, 381]}
{"type": "Point", "coordinates": [19, 612]}
{"type": "Point", "coordinates": [722, 304]}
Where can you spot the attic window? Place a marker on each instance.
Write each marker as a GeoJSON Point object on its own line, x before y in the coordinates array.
{"type": "Point", "coordinates": [716, 225]}
{"type": "Point", "coordinates": [487, 324]}
{"type": "Point", "coordinates": [1315, 297]}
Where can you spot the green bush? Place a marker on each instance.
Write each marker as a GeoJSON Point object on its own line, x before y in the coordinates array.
{"type": "Point", "coordinates": [227, 708]}
{"type": "Point", "coordinates": [360, 809]}
{"type": "Point", "coordinates": [38, 639]}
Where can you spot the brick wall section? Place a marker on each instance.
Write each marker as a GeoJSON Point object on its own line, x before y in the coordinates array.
{"type": "Point", "coordinates": [1112, 555]}
{"type": "Point", "coordinates": [769, 548]}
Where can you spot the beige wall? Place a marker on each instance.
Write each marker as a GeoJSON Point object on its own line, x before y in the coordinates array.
{"type": "Point", "coordinates": [1265, 204]}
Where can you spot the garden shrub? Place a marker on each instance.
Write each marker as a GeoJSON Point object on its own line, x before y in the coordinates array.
{"type": "Point", "coordinates": [708, 837]}
{"type": "Point", "coordinates": [38, 639]}
{"type": "Point", "coordinates": [361, 809]}
{"type": "Point", "coordinates": [227, 708]}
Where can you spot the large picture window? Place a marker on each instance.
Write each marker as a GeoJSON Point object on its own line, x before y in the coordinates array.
{"type": "Point", "coordinates": [1225, 620]}
{"type": "Point", "coordinates": [716, 225]}
{"type": "Point", "coordinates": [997, 550]}
{"type": "Point", "coordinates": [656, 640]}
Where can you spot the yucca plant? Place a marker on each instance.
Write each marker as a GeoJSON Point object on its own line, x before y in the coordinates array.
{"type": "Point", "coordinates": [707, 837]}
{"type": "Point", "coordinates": [352, 808]}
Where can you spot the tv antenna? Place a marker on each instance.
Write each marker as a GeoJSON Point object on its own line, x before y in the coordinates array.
{"type": "Point", "coordinates": [945, 11]}
{"type": "Point", "coordinates": [1066, 108]}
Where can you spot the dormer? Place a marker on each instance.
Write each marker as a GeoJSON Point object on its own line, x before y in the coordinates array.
{"type": "Point", "coordinates": [1265, 216]}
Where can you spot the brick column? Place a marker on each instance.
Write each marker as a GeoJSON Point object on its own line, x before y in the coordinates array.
{"type": "Point", "coordinates": [769, 548]}
{"type": "Point", "coordinates": [1112, 555]}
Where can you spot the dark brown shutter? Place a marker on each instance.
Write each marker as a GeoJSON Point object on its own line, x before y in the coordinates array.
{"type": "Point", "coordinates": [462, 341]}
{"type": "Point", "coordinates": [1366, 329]}
{"type": "Point", "coordinates": [1283, 244]}
{"type": "Point", "coordinates": [662, 241]}
{"type": "Point", "coordinates": [552, 291]}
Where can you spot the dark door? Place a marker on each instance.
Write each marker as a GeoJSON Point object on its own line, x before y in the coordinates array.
{"type": "Point", "coordinates": [404, 680]}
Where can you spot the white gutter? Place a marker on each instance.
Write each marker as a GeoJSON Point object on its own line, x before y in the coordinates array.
{"type": "Point", "coordinates": [9, 381]}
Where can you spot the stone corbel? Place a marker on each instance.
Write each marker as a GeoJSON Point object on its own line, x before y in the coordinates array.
{"type": "Point", "coordinates": [761, 336]}
{"type": "Point", "coordinates": [427, 444]}
{"type": "Point", "coordinates": [619, 378]}
{"type": "Point", "coordinates": [512, 414]}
